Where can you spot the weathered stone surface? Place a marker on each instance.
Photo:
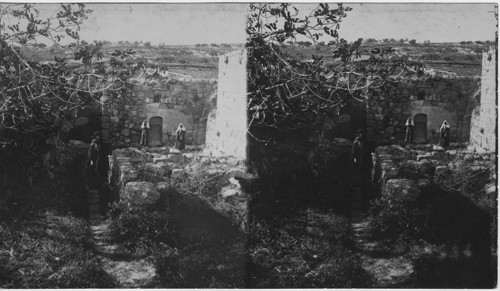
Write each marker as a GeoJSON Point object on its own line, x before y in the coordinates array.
{"type": "Point", "coordinates": [162, 186]}
{"type": "Point", "coordinates": [424, 167]}
{"type": "Point", "coordinates": [174, 151]}
{"type": "Point", "coordinates": [188, 157]}
{"type": "Point", "coordinates": [126, 173]}
{"type": "Point", "coordinates": [160, 159]}
{"type": "Point", "coordinates": [229, 191]}
{"type": "Point", "coordinates": [425, 157]}
{"type": "Point", "coordinates": [439, 155]}
{"type": "Point", "coordinates": [437, 148]}
{"type": "Point", "coordinates": [401, 191]}
{"type": "Point", "coordinates": [161, 167]}
{"type": "Point", "coordinates": [139, 194]}
{"type": "Point", "coordinates": [175, 158]}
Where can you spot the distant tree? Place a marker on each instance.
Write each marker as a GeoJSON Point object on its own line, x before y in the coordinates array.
{"type": "Point", "coordinates": [308, 43]}
{"type": "Point", "coordinates": [214, 45]}
{"type": "Point", "coordinates": [413, 42]}
{"type": "Point", "coordinates": [370, 40]}
{"type": "Point", "coordinates": [147, 44]}
{"type": "Point", "coordinates": [479, 42]}
{"type": "Point", "coordinates": [401, 40]}
{"type": "Point", "coordinates": [197, 45]}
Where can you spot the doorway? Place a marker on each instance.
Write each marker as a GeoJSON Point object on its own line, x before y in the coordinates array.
{"type": "Point", "coordinates": [155, 131]}
{"type": "Point", "coordinates": [420, 129]}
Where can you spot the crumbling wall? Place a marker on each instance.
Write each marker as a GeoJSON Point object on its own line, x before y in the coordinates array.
{"type": "Point", "coordinates": [484, 118]}
{"type": "Point", "coordinates": [440, 98]}
{"type": "Point", "coordinates": [121, 121]}
{"type": "Point", "coordinates": [227, 126]}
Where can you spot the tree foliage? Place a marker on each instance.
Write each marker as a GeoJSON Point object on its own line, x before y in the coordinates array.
{"type": "Point", "coordinates": [41, 99]}
{"type": "Point", "coordinates": [293, 95]}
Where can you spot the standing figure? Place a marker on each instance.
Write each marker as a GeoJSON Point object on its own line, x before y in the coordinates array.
{"type": "Point", "coordinates": [97, 161]}
{"type": "Point", "coordinates": [361, 159]}
{"type": "Point", "coordinates": [144, 132]}
{"type": "Point", "coordinates": [409, 130]}
{"type": "Point", "coordinates": [445, 134]}
{"type": "Point", "coordinates": [180, 143]}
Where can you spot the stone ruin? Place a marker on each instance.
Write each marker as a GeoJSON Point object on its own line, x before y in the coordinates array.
{"type": "Point", "coordinates": [429, 102]}
{"type": "Point", "coordinates": [227, 124]}
{"type": "Point", "coordinates": [159, 100]}
{"type": "Point", "coordinates": [483, 137]}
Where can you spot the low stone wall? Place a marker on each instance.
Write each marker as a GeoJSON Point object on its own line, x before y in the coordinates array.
{"type": "Point", "coordinates": [401, 173]}
{"type": "Point", "coordinates": [176, 167]}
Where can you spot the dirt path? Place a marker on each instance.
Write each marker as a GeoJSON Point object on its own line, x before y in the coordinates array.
{"type": "Point", "coordinates": [129, 270]}
{"type": "Point", "coordinates": [387, 269]}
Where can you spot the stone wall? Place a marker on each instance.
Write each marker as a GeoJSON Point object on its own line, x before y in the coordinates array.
{"type": "Point", "coordinates": [484, 117]}
{"type": "Point", "coordinates": [164, 97]}
{"type": "Point", "coordinates": [227, 125]}
{"type": "Point", "coordinates": [439, 98]}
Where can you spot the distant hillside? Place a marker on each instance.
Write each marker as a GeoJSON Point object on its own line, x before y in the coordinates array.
{"type": "Point", "coordinates": [463, 59]}
{"type": "Point", "coordinates": [196, 61]}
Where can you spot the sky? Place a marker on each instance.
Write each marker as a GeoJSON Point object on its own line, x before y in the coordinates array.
{"type": "Point", "coordinates": [225, 23]}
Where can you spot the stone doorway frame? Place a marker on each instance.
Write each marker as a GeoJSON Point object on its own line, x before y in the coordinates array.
{"type": "Point", "coordinates": [156, 122]}
{"type": "Point", "coordinates": [420, 120]}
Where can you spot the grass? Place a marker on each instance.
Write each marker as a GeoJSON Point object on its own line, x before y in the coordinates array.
{"type": "Point", "coordinates": [50, 251]}
{"type": "Point", "coordinates": [308, 250]}
{"type": "Point", "coordinates": [44, 238]}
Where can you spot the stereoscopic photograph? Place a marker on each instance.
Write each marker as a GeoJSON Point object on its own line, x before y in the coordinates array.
{"type": "Point", "coordinates": [248, 145]}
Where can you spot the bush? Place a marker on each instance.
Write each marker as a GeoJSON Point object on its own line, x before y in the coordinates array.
{"type": "Point", "coordinates": [308, 250]}
{"type": "Point", "coordinates": [396, 223]}
{"type": "Point", "coordinates": [215, 267]}
{"type": "Point", "coordinates": [140, 227]}
{"type": "Point", "coordinates": [147, 44]}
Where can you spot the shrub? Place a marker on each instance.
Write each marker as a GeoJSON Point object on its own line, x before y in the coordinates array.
{"type": "Point", "coordinates": [306, 250]}
{"type": "Point", "coordinates": [396, 223]}
{"type": "Point", "coordinates": [153, 175]}
{"type": "Point", "coordinates": [140, 227]}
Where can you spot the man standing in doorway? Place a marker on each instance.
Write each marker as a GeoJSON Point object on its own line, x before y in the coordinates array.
{"type": "Point", "coordinates": [361, 159]}
{"type": "Point", "coordinates": [97, 162]}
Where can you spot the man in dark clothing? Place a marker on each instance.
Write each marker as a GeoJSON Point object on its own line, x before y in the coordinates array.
{"type": "Point", "coordinates": [97, 161]}
{"type": "Point", "coordinates": [361, 159]}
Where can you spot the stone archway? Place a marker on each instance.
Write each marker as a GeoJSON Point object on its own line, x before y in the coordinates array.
{"type": "Point", "coordinates": [420, 129]}
{"type": "Point", "coordinates": [155, 131]}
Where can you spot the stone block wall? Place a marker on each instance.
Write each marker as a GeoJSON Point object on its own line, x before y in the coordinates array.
{"type": "Point", "coordinates": [439, 98]}
{"type": "Point", "coordinates": [227, 125]}
{"type": "Point", "coordinates": [484, 118]}
{"type": "Point", "coordinates": [121, 120]}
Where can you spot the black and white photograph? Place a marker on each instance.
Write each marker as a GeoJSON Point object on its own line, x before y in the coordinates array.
{"type": "Point", "coordinates": [248, 145]}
